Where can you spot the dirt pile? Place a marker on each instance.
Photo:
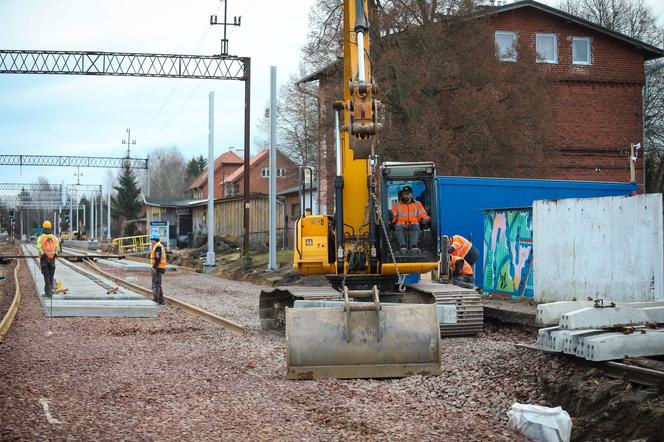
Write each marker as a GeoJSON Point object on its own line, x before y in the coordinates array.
{"type": "Point", "coordinates": [607, 409]}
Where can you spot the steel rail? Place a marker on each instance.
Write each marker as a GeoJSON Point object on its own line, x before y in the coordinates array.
{"type": "Point", "coordinates": [8, 319]}
{"type": "Point", "coordinates": [188, 308]}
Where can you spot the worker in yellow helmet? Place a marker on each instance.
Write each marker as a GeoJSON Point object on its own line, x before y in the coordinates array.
{"type": "Point", "coordinates": [158, 265]}
{"type": "Point", "coordinates": [48, 247]}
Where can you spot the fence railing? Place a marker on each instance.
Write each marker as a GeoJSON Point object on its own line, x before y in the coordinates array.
{"type": "Point", "coordinates": [131, 244]}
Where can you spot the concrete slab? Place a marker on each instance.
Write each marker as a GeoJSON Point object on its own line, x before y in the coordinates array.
{"type": "Point", "coordinates": [612, 346]}
{"type": "Point", "coordinates": [574, 338]}
{"type": "Point", "coordinates": [603, 317]}
{"type": "Point", "coordinates": [447, 314]}
{"type": "Point", "coordinates": [544, 337]}
{"type": "Point", "coordinates": [88, 294]}
{"type": "Point", "coordinates": [550, 313]}
{"type": "Point", "coordinates": [131, 266]}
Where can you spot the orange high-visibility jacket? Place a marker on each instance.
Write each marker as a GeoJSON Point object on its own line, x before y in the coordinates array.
{"type": "Point", "coordinates": [162, 256]}
{"type": "Point", "coordinates": [409, 213]}
{"type": "Point", "coordinates": [461, 246]}
{"type": "Point", "coordinates": [48, 244]}
{"type": "Point", "coordinates": [465, 268]}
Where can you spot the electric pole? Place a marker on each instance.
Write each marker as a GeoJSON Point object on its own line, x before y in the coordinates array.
{"type": "Point", "coordinates": [225, 24]}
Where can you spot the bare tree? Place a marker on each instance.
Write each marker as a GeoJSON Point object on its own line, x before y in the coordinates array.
{"type": "Point", "coordinates": [297, 122]}
{"type": "Point", "coordinates": [168, 173]}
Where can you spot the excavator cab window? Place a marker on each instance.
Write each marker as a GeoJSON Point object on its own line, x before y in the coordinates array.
{"type": "Point", "coordinates": [412, 221]}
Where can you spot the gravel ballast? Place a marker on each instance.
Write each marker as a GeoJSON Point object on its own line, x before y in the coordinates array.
{"type": "Point", "coordinates": [177, 378]}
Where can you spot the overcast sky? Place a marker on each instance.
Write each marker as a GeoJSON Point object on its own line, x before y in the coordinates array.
{"type": "Point", "coordinates": [76, 115]}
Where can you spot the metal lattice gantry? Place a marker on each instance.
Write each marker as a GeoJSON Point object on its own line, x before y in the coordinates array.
{"type": "Point", "coordinates": [123, 64]}
{"type": "Point", "coordinates": [44, 196]}
{"type": "Point", "coordinates": [73, 161]}
{"type": "Point", "coordinates": [215, 67]}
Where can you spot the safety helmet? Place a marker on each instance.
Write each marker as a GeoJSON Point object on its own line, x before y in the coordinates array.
{"type": "Point", "coordinates": [407, 189]}
{"type": "Point", "coordinates": [154, 237]}
{"type": "Point", "coordinates": [47, 224]}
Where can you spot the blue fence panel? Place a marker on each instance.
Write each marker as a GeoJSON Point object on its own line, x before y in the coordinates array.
{"type": "Point", "coordinates": [463, 200]}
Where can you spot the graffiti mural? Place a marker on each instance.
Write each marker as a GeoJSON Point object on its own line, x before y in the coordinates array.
{"type": "Point", "coordinates": [508, 252]}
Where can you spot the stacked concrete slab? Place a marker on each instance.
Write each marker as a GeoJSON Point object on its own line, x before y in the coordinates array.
{"type": "Point", "coordinates": [603, 334]}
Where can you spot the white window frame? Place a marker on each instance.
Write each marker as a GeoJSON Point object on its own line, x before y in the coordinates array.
{"type": "Point", "coordinates": [265, 172]}
{"type": "Point", "coordinates": [506, 57]}
{"type": "Point", "coordinates": [555, 48]}
{"type": "Point", "coordinates": [589, 42]}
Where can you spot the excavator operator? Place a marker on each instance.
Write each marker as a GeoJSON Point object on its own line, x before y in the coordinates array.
{"type": "Point", "coordinates": [408, 213]}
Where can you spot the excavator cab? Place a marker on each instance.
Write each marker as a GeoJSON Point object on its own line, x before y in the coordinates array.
{"type": "Point", "coordinates": [415, 240]}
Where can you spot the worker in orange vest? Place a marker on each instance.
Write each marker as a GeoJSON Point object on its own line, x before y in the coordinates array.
{"type": "Point", "coordinates": [461, 247]}
{"type": "Point", "coordinates": [158, 266]}
{"type": "Point", "coordinates": [48, 247]}
{"type": "Point", "coordinates": [408, 213]}
{"type": "Point", "coordinates": [462, 272]}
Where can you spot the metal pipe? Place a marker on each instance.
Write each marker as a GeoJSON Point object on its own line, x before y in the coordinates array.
{"type": "Point", "coordinates": [360, 57]}
{"type": "Point", "coordinates": [337, 141]}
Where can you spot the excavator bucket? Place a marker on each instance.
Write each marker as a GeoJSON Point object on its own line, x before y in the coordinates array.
{"type": "Point", "coordinates": [362, 340]}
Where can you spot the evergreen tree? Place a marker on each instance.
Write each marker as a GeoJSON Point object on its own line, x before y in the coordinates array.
{"type": "Point", "coordinates": [195, 167]}
{"type": "Point", "coordinates": [126, 203]}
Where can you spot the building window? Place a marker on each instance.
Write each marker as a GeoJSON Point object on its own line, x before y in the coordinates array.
{"type": "Point", "coordinates": [295, 210]}
{"type": "Point", "coordinates": [231, 189]}
{"type": "Point", "coordinates": [547, 48]}
{"type": "Point", "coordinates": [506, 45]}
{"type": "Point", "coordinates": [265, 172]}
{"type": "Point", "coordinates": [581, 50]}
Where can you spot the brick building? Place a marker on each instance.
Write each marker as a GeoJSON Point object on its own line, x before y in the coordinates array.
{"type": "Point", "coordinates": [598, 79]}
{"type": "Point", "coordinates": [287, 175]}
{"type": "Point", "coordinates": [225, 164]}
{"type": "Point", "coordinates": [597, 74]}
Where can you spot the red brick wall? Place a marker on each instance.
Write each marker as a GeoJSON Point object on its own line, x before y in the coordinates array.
{"type": "Point", "coordinates": [597, 108]}
{"type": "Point", "coordinates": [257, 183]}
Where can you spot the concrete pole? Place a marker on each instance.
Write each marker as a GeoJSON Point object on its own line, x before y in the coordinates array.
{"type": "Point", "coordinates": [91, 235]}
{"type": "Point", "coordinates": [210, 206]}
{"type": "Point", "coordinates": [147, 174]}
{"type": "Point", "coordinates": [108, 218]}
{"type": "Point", "coordinates": [77, 209]}
{"type": "Point", "coordinates": [100, 212]}
{"type": "Point", "coordinates": [71, 216]}
{"type": "Point", "coordinates": [272, 262]}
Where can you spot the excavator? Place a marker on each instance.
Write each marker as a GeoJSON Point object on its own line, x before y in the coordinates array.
{"type": "Point", "coordinates": [368, 323]}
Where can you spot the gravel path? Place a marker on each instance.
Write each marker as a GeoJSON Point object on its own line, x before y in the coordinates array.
{"type": "Point", "coordinates": [177, 378]}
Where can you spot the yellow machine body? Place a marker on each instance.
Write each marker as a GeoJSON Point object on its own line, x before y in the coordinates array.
{"type": "Point", "coordinates": [312, 249]}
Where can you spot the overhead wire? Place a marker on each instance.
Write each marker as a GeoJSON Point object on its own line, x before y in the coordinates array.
{"type": "Point", "coordinates": [151, 135]}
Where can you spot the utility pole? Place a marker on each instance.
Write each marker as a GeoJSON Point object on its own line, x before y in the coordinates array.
{"type": "Point", "coordinates": [272, 243]}
{"type": "Point", "coordinates": [129, 142]}
{"type": "Point", "coordinates": [225, 24]}
{"type": "Point", "coordinates": [210, 191]}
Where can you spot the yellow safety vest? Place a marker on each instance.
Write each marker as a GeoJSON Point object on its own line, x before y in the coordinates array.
{"type": "Point", "coordinates": [162, 261]}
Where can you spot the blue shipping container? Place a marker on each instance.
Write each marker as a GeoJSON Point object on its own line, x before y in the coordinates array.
{"type": "Point", "coordinates": [463, 200]}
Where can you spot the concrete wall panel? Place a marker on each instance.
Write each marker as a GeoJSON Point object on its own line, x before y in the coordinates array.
{"type": "Point", "coordinates": [609, 247]}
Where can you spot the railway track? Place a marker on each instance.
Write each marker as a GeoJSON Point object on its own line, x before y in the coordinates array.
{"type": "Point", "coordinates": [8, 319]}
{"type": "Point", "coordinates": [186, 307]}
{"type": "Point", "coordinates": [630, 370]}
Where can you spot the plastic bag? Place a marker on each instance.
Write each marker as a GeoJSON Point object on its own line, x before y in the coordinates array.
{"type": "Point", "coordinates": [541, 424]}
